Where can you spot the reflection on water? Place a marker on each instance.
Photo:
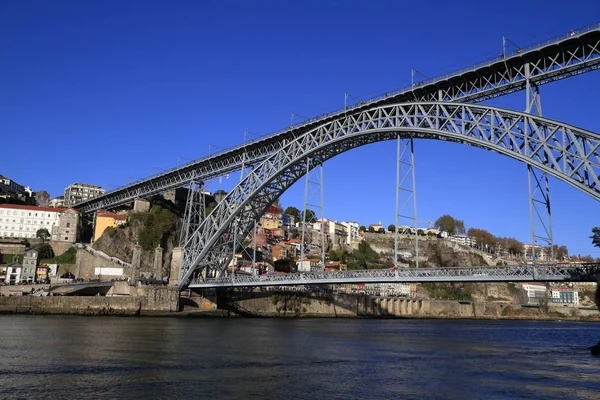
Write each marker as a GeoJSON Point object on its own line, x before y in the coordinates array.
{"type": "Point", "coordinates": [129, 358]}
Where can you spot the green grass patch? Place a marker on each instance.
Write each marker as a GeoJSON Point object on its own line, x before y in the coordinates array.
{"type": "Point", "coordinates": [156, 223]}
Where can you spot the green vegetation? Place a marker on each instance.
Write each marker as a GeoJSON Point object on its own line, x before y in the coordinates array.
{"type": "Point", "coordinates": [363, 258]}
{"type": "Point", "coordinates": [43, 234]}
{"type": "Point", "coordinates": [446, 292]}
{"type": "Point", "coordinates": [392, 228]}
{"type": "Point", "coordinates": [156, 223]}
{"type": "Point", "coordinates": [68, 257]}
{"type": "Point", "coordinates": [294, 212]}
{"type": "Point", "coordinates": [44, 250]}
{"type": "Point", "coordinates": [110, 231]}
{"type": "Point", "coordinates": [451, 225]}
{"type": "Point", "coordinates": [8, 258]}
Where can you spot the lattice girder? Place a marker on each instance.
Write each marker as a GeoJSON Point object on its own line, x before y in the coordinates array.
{"type": "Point", "coordinates": [563, 57]}
{"type": "Point", "coordinates": [566, 152]}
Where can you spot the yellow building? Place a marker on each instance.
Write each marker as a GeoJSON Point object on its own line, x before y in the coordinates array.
{"type": "Point", "coordinates": [107, 220]}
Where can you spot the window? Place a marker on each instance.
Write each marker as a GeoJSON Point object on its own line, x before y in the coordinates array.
{"type": "Point", "coordinates": [66, 238]}
{"type": "Point", "coordinates": [68, 224]}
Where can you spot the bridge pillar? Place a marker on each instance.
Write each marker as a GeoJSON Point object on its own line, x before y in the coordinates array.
{"type": "Point", "coordinates": [176, 259]}
{"type": "Point", "coordinates": [135, 263]}
{"type": "Point", "coordinates": [540, 214]}
{"type": "Point", "coordinates": [158, 253]}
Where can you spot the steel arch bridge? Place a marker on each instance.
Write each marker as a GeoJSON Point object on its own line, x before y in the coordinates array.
{"type": "Point", "coordinates": [569, 153]}
{"type": "Point", "coordinates": [571, 54]}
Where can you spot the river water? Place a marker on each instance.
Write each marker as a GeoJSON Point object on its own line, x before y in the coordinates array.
{"type": "Point", "coordinates": [68, 357]}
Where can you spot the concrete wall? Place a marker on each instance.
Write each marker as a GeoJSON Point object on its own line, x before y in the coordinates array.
{"type": "Point", "coordinates": [340, 305]}
{"type": "Point", "coordinates": [87, 263]}
{"type": "Point", "coordinates": [148, 299]}
{"type": "Point", "coordinates": [59, 247]}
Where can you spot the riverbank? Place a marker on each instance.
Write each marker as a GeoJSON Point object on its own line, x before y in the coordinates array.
{"type": "Point", "coordinates": [161, 302]}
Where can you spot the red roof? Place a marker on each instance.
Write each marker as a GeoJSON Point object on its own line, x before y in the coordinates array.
{"type": "Point", "coordinates": [35, 208]}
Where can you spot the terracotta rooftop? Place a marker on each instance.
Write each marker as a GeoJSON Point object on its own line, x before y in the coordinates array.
{"type": "Point", "coordinates": [35, 208]}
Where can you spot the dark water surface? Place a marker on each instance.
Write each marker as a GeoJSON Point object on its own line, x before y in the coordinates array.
{"type": "Point", "coordinates": [64, 357]}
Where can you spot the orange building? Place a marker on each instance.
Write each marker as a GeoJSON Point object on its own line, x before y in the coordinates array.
{"type": "Point", "coordinates": [106, 220]}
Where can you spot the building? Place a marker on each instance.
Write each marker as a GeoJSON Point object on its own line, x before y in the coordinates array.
{"type": "Point", "coordinates": [57, 202]}
{"type": "Point", "coordinates": [30, 261]}
{"type": "Point", "coordinates": [107, 220]}
{"type": "Point", "coordinates": [463, 240]}
{"type": "Point", "coordinates": [539, 251]}
{"type": "Point", "coordinates": [13, 274]}
{"type": "Point", "coordinates": [336, 232]}
{"type": "Point", "coordinates": [10, 189]}
{"type": "Point", "coordinates": [78, 192]}
{"type": "Point", "coordinates": [536, 292]}
{"type": "Point", "coordinates": [18, 221]}
{"type": "Point", "coordinates": [376, 227]}
{"type": "Point", "coordinates": [42, 273]}
{"type": "Point", "coordinates": [564, 295]}
{"type": "Point", "coordinates": [351, 231]}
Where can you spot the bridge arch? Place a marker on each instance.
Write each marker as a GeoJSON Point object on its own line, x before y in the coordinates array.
{"type": "Point", "coordinates": [569, 153]}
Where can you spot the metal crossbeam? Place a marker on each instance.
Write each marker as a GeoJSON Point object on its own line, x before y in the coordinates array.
{"type": "Point", "coordinates": [512, 273]}
{"type": "Point", "coordinates": [566, 152]}
{"type": "Point", "coordinates": [562, 57]}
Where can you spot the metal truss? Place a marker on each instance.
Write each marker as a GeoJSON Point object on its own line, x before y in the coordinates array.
{"type": "Point", "coordinates": [313, 200]}
{"type": "Point", "coordinates": [194, 211]}
{"type": "Point", "coordinates": [406, 192]}
{"type": "Point", "coordinates": [540, 215]}
{"type": "Point", "coordinates": [511, 273]}
{"type": "Point", "coordinates": [566, 152]}
{"type": "Point", "coordinates": [568, 55]}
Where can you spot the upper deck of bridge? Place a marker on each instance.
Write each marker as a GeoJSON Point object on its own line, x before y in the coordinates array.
{"type": "Point", "coordinates": [445, 87]}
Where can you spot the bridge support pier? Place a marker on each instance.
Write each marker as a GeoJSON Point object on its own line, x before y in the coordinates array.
{"type": "Point", "coordinates": [176, 259]}
{"type": "Point", "coordinates": [540, 216]}
{"type": "Point", "coordinates": [406, 194]}
{"type": "Point", "coordinates": [158, 254]}
{"type": "Point", "coordinates": [136, 260]}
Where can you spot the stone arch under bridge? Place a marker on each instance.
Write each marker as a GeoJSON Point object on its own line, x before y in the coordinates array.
{"type": "Point", "coordinates": [568, 153]}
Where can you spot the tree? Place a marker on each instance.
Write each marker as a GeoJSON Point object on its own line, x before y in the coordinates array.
{"type": "Point", "coordinates": [596, 236]}
{"type": "Point", "coordinates": [310, 215]}
{"type": "Point", "coordinates": [294, 212]}
{"type": "Point", "coordinates": [362, 228]}
{"type": "Point", "coordinates": [451, 225]}
{"type": "Point", "coordinates": [45, 251]}
{"type": "Point", "coordinates": [371, 229]}
{"type": "Point", "coordinates": [380, 230]}
{"type": "Point", "coordinates": [392, 228]}
{"type": "Point", "coordinates": [43, 234]}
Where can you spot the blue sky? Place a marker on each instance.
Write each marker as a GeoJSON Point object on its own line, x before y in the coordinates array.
{"type": "Point", "coordinates": [113, 91]}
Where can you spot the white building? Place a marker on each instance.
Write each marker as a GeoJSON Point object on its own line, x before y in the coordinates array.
{"type": "Point", "coordinates": [463, 240]}
{"type": "Point", "coordinates": [18, 221]}
{"type": "Point", "coordinates": [13, 274]}
{"type": "Point", "coordinates": [351, 231]}
{"type": "Point", "coordinates": [564, 295]}
{"type": "Point", "coordinates": [81, 191]}
{"type": "Point", "coordinates": [539, 252]}
{"type": "Point", "coordinates": [535, 291]}
{"type": "Point", "coordinates": [337, 232]}
{"type": "Point", "coordinates": [57, 202]}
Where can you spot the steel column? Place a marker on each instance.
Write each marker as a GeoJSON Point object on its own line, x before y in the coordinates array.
{"type": "Point", "coordinates": [406, 192]}
{"type": "Point", "coordinates": [540, 215]}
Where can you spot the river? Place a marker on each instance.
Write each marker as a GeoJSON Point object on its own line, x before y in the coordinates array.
{"type": "Point", "coordinates": [69, 357]}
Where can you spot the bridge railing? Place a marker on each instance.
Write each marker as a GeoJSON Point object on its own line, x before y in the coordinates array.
{"type": "Point", "coordinates": [537, 272]}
